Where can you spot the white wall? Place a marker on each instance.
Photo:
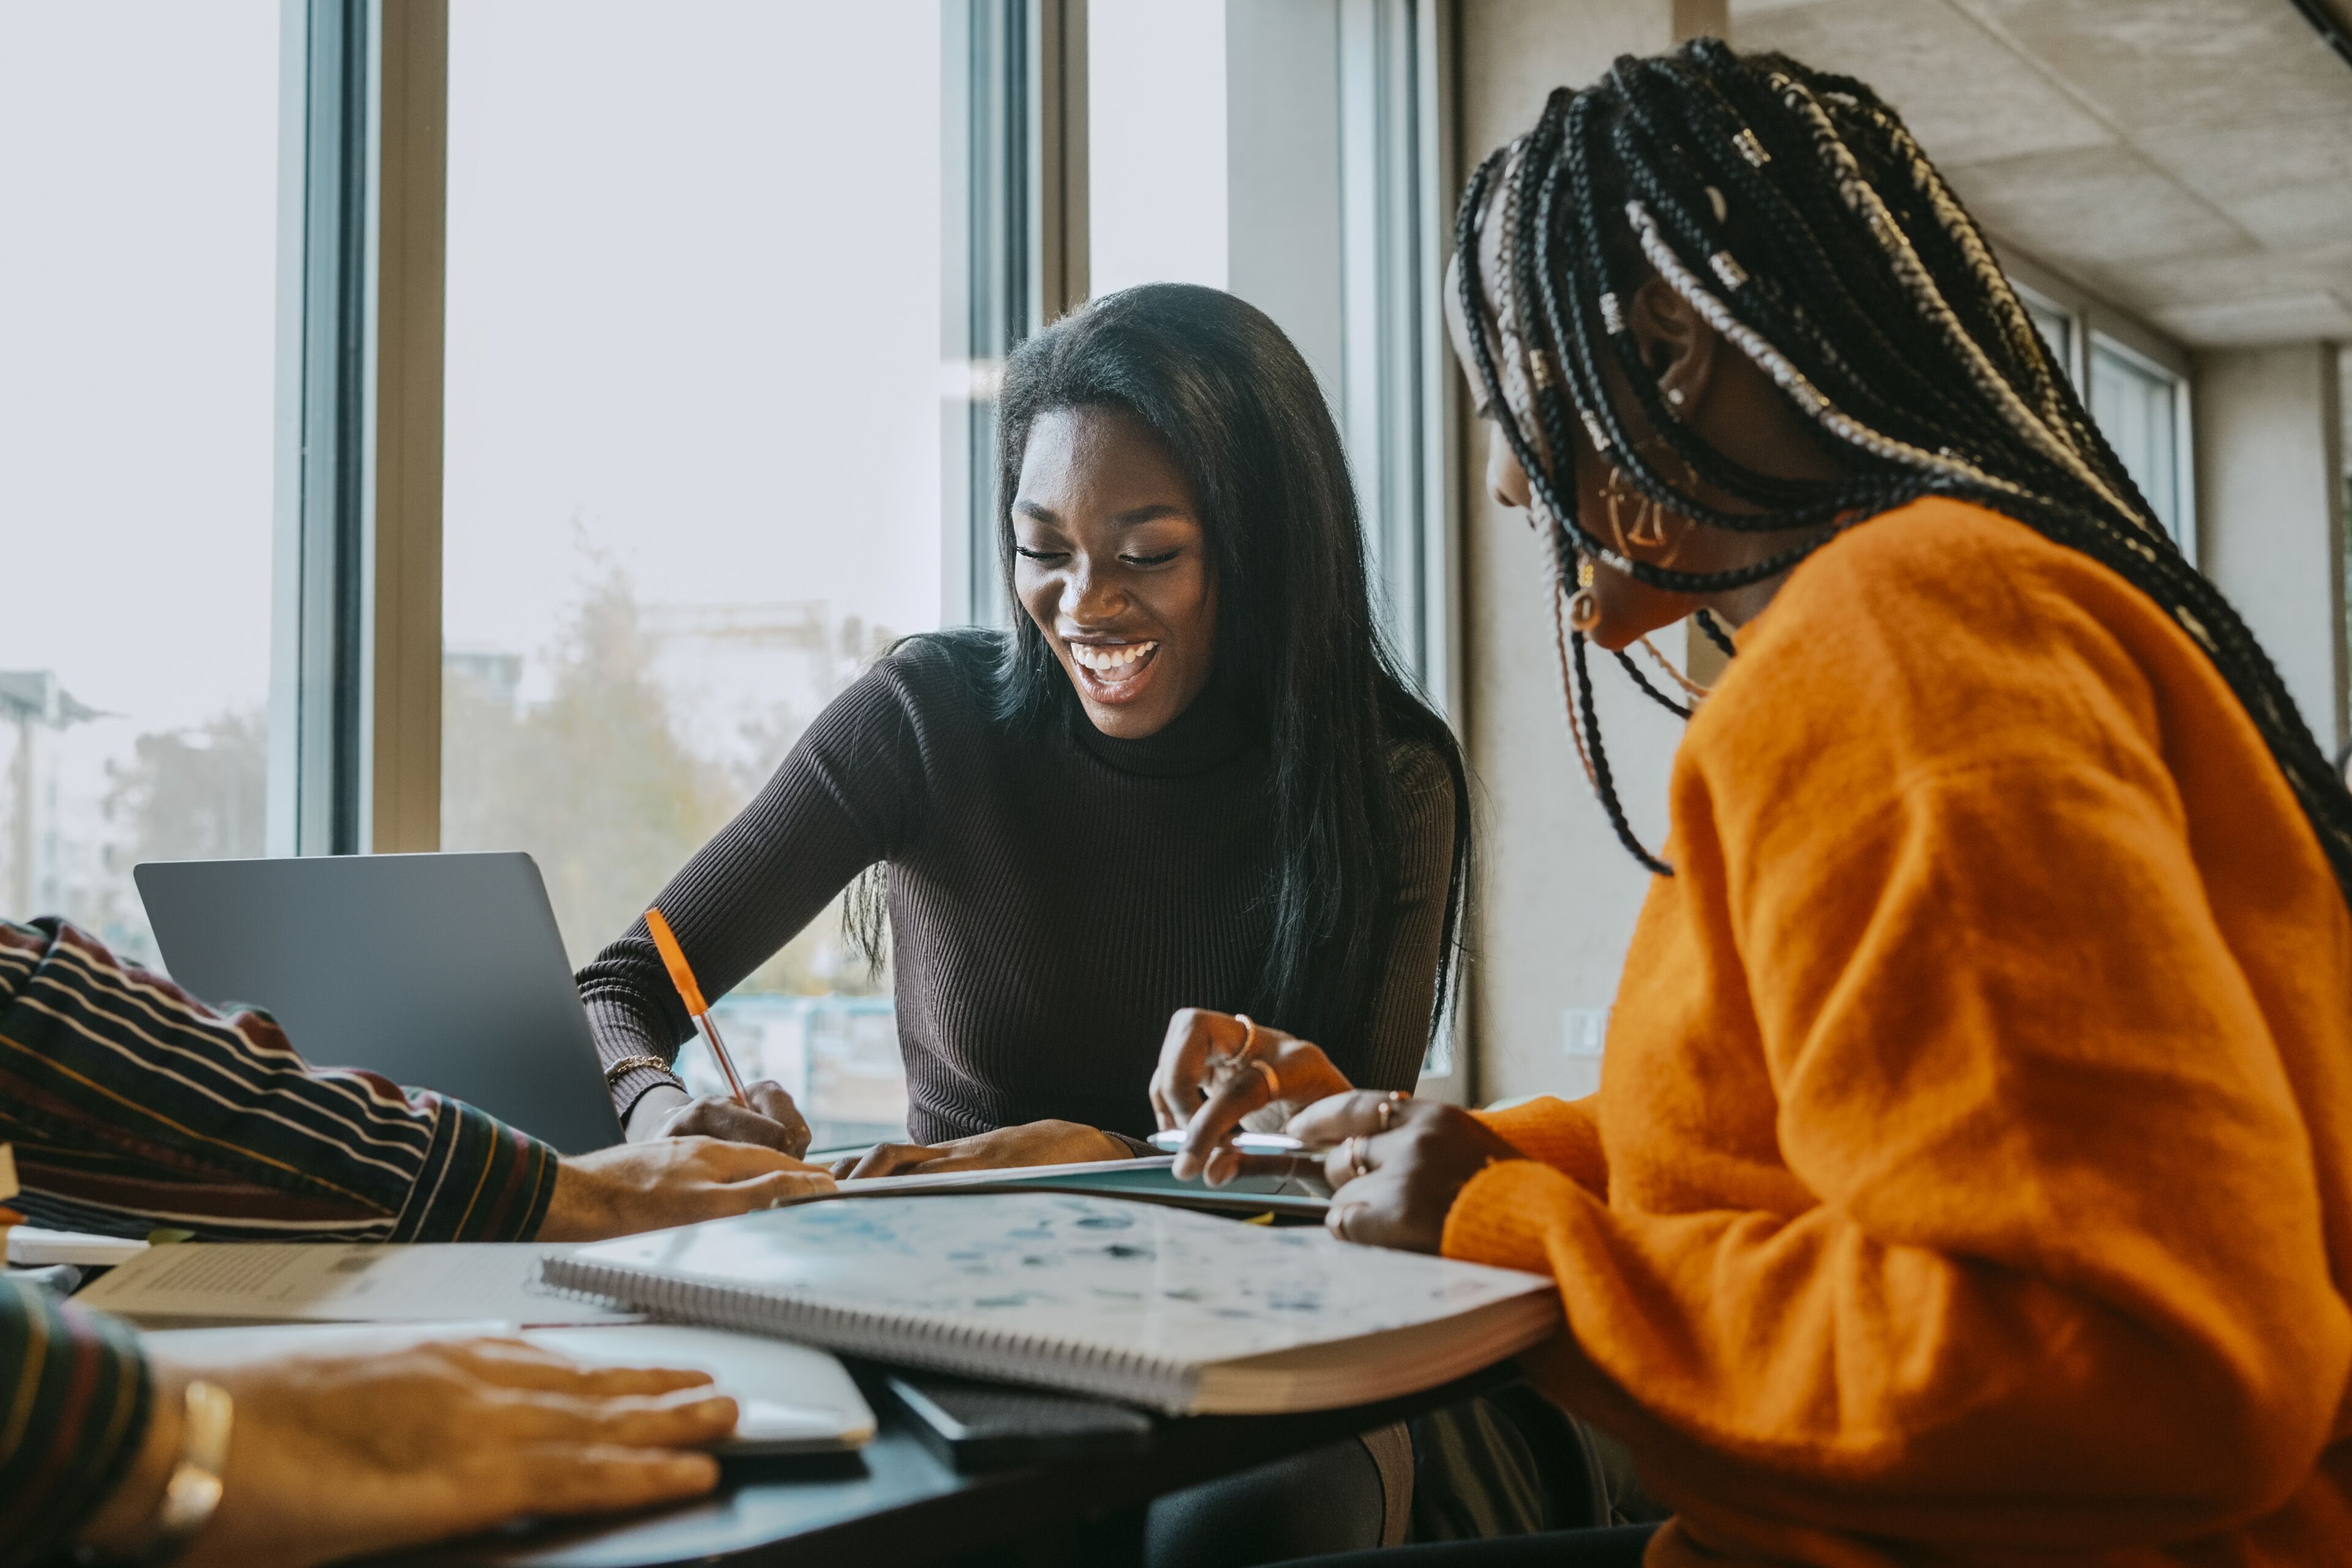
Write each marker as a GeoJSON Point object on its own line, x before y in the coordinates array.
{"type": "Point", "coordinates": [2270, 487]}
{"type": "Point", "coordinates": [1558, 894]}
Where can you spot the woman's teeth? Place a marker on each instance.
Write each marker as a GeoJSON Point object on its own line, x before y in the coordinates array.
{"type": "Point", "coordinates": [1104, 661]}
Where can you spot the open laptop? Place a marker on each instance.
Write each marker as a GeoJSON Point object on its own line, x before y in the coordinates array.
{"type": "Point", "coordinates": [442, 971]}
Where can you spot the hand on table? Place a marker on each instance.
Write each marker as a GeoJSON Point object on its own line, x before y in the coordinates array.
{"type": "Point", "coordinates": [335, 1455]}
{"type": "Point", "coordinates": [632, 1187]}
{"type": "Point", "coordinates": [1204, 1086]}
{"type": "Point", "coordinates": [773, 1120]}
{"type": "Point", "coordinates": [1031, 1143]}
{"type": "Point", "coordinates": [1396, 1165]}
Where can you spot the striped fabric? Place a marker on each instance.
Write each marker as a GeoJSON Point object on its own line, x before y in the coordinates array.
{"type": "Point", "coordinates": [72, 1409]}
{"type": "Point", "coordinates": [131, 1105]}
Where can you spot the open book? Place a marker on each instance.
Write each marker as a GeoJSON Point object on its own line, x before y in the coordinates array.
{"type": "Point", "coordinates": [1157, 1306]}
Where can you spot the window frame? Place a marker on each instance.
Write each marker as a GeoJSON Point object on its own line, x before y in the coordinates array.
{"type": "Point", "coordinates": [2096, 323]}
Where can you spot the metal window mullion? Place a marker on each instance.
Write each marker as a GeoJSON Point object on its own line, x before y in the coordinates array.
{"type": "Point", "coordinates": [318, 693]}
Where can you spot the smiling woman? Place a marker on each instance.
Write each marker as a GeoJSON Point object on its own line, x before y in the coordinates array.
{"type": "Point", "coordinates": [1111, 563]}
{"type": "Point", "coordinates": [1188, 776]}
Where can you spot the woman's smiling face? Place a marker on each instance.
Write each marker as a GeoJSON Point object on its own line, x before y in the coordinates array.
{"type": "Point", "coordinates": [1112, 564]}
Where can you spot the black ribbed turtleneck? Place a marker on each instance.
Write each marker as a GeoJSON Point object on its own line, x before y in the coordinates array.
{"type": "Point", "coordinates": [1054, 896]}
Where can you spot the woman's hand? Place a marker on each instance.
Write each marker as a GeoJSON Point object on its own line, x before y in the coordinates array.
{"type": "Point", "coordinates": [1205, 1084]}
{"type": "Point", "coordinates": [336, 1455]}
{"type": "Point", "coordinates": [1031, 1143]}
{"type": "Point", "coordinates": [773, 1120]}
{"type": "Point", "coordinates": [1396, 1165]}
{"type": "Point", "coordinates": [632, 1187]}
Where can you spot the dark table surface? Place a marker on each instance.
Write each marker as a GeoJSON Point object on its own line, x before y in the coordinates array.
{"type": "Point", "coordinates": [897, 1502]}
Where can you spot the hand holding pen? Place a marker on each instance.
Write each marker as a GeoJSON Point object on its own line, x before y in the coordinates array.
{"type": "Point", "coordinates": [760, 1112]}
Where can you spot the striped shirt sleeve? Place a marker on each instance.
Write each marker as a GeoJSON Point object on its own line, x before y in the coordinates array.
{"type": "Point", "coordinates": [132, 1105]}
{"type": "Point", "coordinates": [74, 1396]}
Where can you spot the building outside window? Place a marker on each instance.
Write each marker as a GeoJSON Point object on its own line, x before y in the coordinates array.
{"type": "Point", "coordinates": [137, 426]}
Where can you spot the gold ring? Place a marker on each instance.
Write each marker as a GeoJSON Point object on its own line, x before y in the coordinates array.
{"type": "Point", "coordinates": [1340, 1214]}
{"type": "Point", "coordinates": [1386, 1109]}
{"type": "Point", "coordinates": [1273, 1078]}
{"type": "Point", "coordinates": [1357, 1165]}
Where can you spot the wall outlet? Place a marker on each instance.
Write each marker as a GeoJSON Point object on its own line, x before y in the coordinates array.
{"type": "Point", "coordinates": [1583, 1031]}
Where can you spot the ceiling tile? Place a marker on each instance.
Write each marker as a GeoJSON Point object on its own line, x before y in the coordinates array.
{"type": "Point", "coordinates": [2285, 181]}
{"type": "Point", "coordinates": [2249, 274]}
{"type": "Point", "coordinates": [1966, 97]}
{"type": "Point", "coordinates": [2288, 319]}
{"type": "Point", "coordinates": [2101, 203]}
{"type": "Point", "coordinates": [2160, 64]}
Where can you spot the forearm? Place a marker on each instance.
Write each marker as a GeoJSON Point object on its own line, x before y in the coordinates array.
{"type": "Point", "coordinates": [1797, 1358]}
{"type": "Point", "coordinates": [77, 1448]}
{"type": "Point", "coordinates": [1562, 1133]}
{"type": "Point", "coordinates": [132, 1104]}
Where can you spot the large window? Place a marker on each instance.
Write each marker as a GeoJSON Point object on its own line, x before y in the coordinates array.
{"type": "Point", "coordinates": [138, 318]}
{"type": "Point", "coordinates": [2138, 406]}
{"type": "Point", "coordinates": [1156, 98]}
{"type": "Point", "coordinates": [694, 450]}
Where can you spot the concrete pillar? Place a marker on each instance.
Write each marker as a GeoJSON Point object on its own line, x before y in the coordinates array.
{"type": "Point", "coordinates": [1558, 894]}
{"type": "Point", "coordinates": [2270, 510]}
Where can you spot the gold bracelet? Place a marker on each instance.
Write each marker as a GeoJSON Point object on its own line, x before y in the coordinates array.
{"type": "Point", "coordinates": [627, 1064]}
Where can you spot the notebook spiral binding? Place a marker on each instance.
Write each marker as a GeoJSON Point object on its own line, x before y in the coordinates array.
{"type": "Point", "coordinates": [999, 1355]}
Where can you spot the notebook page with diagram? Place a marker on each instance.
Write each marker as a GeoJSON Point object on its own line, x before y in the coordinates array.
{"type": "Point", "coordinates": [1158, 1306]}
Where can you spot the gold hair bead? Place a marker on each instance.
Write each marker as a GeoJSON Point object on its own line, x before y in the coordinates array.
{"type": "Point", "coordinates": [1751, 149]}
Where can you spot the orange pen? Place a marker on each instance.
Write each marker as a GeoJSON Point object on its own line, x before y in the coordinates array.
{"type": "Point", "coordinates": [682, 977]}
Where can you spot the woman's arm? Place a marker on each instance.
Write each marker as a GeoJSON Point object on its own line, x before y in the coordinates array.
{"type": "Point", "coordinates": [1399, 1018]}
{"type": "Point", "coordinates": [2067, 1248]}
{"type": "Point", "coordinates": [79, 1393]}
{"type": "Point", "coordinates": [850, 793]}
{"type": "Point", "coordinates": [131, 1104]}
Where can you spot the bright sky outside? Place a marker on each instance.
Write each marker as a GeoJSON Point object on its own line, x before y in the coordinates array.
{"type": "Point", "coordinates": [694, 308]}
{"type": "Point", "coordinates": [138, 331]}
{"type": "Point", "coordinates": [1156, 142]}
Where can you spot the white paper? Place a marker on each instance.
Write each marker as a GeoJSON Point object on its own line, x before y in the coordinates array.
{"type": "Point", "coordinates": [340, 1283]}
{"type": "Point", "coordinates": [30, 1246]}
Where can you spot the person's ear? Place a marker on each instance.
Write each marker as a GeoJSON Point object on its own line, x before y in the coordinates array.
{"type": "Point", "coordinates": [1677, 343]}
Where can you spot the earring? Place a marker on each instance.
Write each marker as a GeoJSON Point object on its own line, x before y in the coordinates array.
{"type": "Point", "coordinates": [1675, 396]}
{"type": "Point", "coordinates": [1649, 530]}
{"type": "Point", "coordinates": [1583, 608]}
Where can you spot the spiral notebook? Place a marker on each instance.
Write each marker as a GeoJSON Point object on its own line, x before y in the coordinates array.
{"type": "Point", "coordinates": [1160, 1307]}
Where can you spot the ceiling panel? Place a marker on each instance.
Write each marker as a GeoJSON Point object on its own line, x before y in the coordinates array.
{"type": "Point", "coordinates": [2291, 317]}
{"type": "Point", "coordinates": [2100, 204]}
{"type": "Point", "coordinates": [2250, 274]}
{"type": "Point", "coordinates": [2164, 64]}
{"type": "Point", "coordinates": [2286, 182]}
{"type": "Point", "coordinates": [1966, 97]}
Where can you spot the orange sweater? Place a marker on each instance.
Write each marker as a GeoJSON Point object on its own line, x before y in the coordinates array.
{"type": "Point", "coordinates": [1970, 1180]}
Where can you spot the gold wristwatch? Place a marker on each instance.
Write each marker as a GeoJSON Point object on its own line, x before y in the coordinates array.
{"type": "Point", "coordinates": [193, 1493]}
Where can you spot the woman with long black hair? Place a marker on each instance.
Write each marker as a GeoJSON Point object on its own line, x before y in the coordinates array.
{"type": "Point", "coordinates": [1188, 774]}
{"type": "Point", "coordinates": [1970, 1177]}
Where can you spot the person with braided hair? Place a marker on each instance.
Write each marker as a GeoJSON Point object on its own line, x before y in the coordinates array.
{"type": "Point", "coordinates": [1970, 1176]}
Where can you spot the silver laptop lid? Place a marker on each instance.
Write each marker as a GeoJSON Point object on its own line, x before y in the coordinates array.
{"type": "Point", "coordinates": [442, 971]}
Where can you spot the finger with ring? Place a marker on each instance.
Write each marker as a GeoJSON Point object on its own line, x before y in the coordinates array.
{"type": "Point", "coordinates": [1273, 1078]}
{"type": "Point", "coordinates": [1357, 1164]}
{"type": "Point", "coordinates": [1387, 1109]}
